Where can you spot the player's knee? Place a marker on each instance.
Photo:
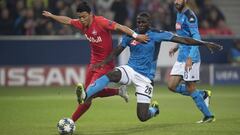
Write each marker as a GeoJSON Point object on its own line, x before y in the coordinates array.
{"type": "Point", "coordinates": [191, 86]}
{"type": "Point", "coordinates": [114, 75]}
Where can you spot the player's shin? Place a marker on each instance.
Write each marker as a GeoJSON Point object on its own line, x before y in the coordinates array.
{"type": "Point", "coordinates": [97, 86]}
{"type": "Point", "coordinates": [81, 109]}
{"type": "Point", "coordinates": [198, 99]}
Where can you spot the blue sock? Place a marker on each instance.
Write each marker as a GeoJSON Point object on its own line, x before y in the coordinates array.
{"type": "Point", "coordinates": [198, 99]}
{"type": "Point", "coordinates": [182, 89]}
{"type": "Point", "coordinates": [202, 92]}
{"type": "Point", "coordinates": [97, 86]}
{"type": "Point", "coordinates": [152, 111]}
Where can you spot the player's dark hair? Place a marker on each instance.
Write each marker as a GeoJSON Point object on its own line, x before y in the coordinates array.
{"type": "Point", "coordinates": [83, 7]}
{"type": "Point", "coordinates": [145, 15]}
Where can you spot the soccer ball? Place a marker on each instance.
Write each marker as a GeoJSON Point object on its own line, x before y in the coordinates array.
{"type": "Point", "coordinates": [66, 126]}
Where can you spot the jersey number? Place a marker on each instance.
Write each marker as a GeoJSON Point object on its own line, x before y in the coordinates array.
{"type": "Point", "coordinates": [148, 90]}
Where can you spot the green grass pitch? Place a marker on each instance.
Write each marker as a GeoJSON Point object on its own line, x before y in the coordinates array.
{"type": "Point", "coordinates": [36, 111]}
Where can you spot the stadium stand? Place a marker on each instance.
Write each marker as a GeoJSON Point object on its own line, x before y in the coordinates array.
{"type": "Point", "coordinates": [23, 17]}
{"type": "Point", "coordinates": [231, 10]}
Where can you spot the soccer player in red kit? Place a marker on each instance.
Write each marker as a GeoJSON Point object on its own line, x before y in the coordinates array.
{"type": "Point", "coordinates": [97, 30]}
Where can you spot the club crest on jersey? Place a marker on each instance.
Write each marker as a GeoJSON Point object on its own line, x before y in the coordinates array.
{"type": "Point", "coordinates": [134, 42]}
{"type": "Point", "coordinates": [178, 26]}
{"type": "Point", "coordinates": [94, 32]}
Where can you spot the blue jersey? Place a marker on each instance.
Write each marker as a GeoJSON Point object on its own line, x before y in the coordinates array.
{"type": "Point", "coordinates": [187, 26]}
{"type": "Point", "coordinates": [143, 56]}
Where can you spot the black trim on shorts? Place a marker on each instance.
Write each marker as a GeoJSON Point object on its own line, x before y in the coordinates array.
{"type": "Point", "coordinates": [126, 74]}
{"type": "Point", "coordinates": [192, 81]}
{"type": "Point", "coordinates": [142, 95]}
{"type": "Point", "coordinates": [152, 82]}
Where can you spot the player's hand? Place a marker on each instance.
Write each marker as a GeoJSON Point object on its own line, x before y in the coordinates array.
{"type": "Point", "coordinates": [188, 65]}
{"type": "Point", "coordinates": [213, 46]}
{"type": "Point", "coordinates": [172, 51]}
{"type": "Point", "coordinates": [142, 38]}
{"type": "Point", "coordinates": [47, 14]}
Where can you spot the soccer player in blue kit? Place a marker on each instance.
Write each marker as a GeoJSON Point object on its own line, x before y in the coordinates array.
{"type": "Point", "coordinates": [140, 69]}
{"type": "Point", "coordinates": [187, 66]}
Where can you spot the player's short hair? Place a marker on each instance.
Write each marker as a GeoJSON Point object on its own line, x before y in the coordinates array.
{"type": "Point", "coordinates": [145, 15]}
{"type": "Point", "coordinates": [83, 7]}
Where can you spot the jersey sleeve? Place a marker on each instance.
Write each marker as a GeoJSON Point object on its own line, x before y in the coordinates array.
{"type": "Point", "coordinates": [107, 24]}
{"type": "Point", "coordinates": [192, 23]}
{"type": "Point", "coordinates": [163, 36]}
{"type": "Point", "coordinates": [76, 24]}
{"type": "Point", "coordinates": [125, 41]}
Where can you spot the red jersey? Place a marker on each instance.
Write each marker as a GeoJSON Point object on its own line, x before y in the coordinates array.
{"type": "Point", "coordinates": [99, 36]}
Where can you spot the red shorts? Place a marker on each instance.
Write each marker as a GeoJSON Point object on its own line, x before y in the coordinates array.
{"type": "Point", "coordinates": [93, 75]}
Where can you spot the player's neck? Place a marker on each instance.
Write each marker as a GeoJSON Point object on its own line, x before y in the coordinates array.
{"type": "Point", "coordinates": [91, 20]}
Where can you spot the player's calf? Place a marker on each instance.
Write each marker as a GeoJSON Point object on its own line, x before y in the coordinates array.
{"type": "Point", "coordinates": [146, 112]}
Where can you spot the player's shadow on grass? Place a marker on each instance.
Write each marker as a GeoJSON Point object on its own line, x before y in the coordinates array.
{"type": "Point", "coordinates": [136, 129]}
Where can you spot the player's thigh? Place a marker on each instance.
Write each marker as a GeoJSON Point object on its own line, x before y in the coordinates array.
{"type": "Point", "coordinates": [114, 75]}
{"type": "Point", "coordinates": [192, 74]}
{"type": "Point", "coordinates": [178, 69]}
{"type": "Point", "coordinates": [89, 75]}
{"type": "Point", "coordinates": [127, 74]}
{"type": "Point", "coordinates": [144, 88]}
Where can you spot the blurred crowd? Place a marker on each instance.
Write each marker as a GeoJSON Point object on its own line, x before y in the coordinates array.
{"type": "Point", "coordinates": [24, 17]}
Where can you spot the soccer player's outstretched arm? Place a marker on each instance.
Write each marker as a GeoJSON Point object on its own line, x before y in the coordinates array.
{"type": "Point", "coordinates": [126, 30]}
{"type": "Point", "coordinates": [61, 19]}
{"type": "Point", "coordinates": [193, 42]}
{"type": "Point", "coordinates": [173, 50]}
{"type": "Point", "coordinates": [118, 50]}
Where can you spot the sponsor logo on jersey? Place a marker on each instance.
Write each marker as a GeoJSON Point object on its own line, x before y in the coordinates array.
{"type": "Point", "coordinates": [98, 39]}
{"type": "Point", "coordinates": [134, 42]}
{"type": "Point", "coordinates": [178, 26]}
